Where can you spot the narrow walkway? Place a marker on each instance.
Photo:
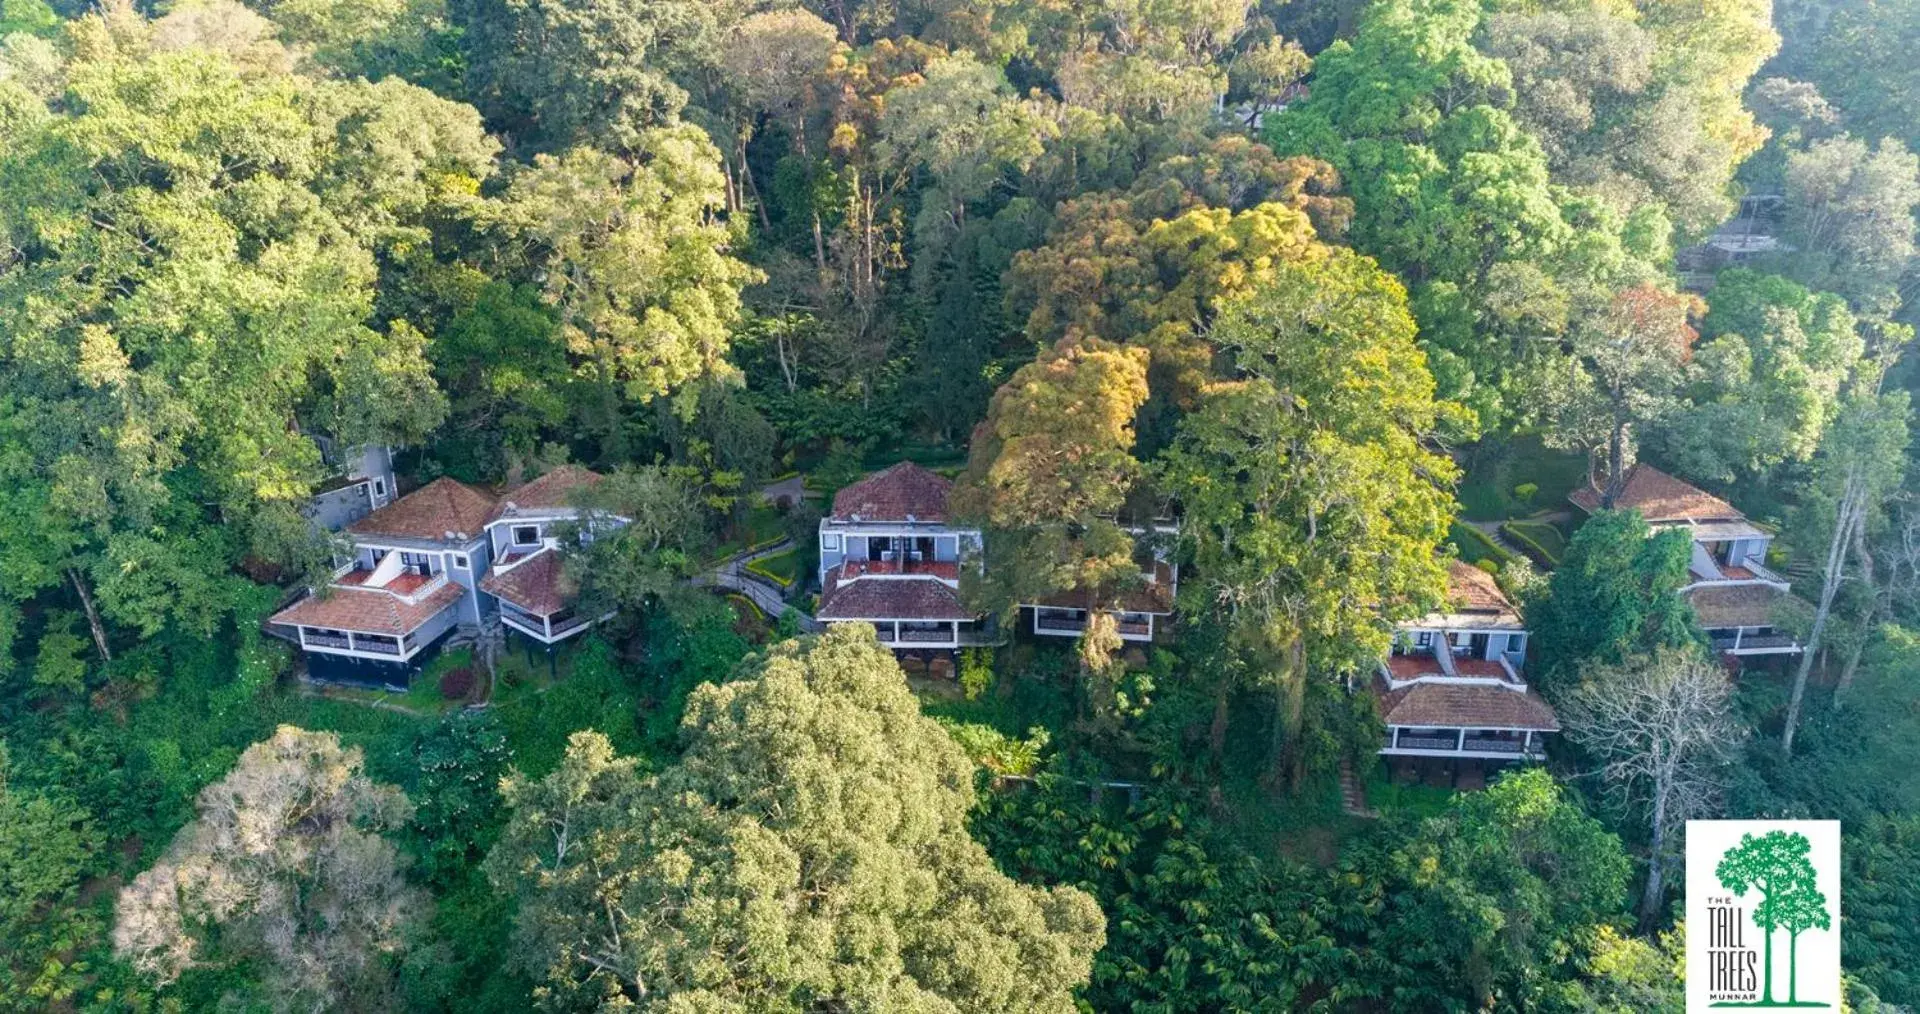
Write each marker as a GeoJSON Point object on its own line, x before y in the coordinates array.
{"type": "Point", "coordinates": [1353, 796]}
{"type": "Point", "coordinates": [1491, 529]}
{"type": "Point", "coordinates": [733, 575]}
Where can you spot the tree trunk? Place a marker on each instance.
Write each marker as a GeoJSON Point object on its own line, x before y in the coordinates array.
{"type": "Point", "coordinates": [1852, 666]}
{"type": "Point", "coordinates": [819, 245]}
{"type": "Point", "coordinates": [1616, 462]}
{"type": "Point", "coordinates": [93, 615]}
{"type": "Point", "coordinates": [1848, 515]}
{"type": "Point", "coordinates": [1217, 731]}
{"type": "Point", "coordinates": [1290, 700]}
{"type": "Point", "coordinates": [1875, 606]}
{"type": "Point", "coordinates": [1656, 862]}
{"type": "Point", "coordinates": [746, 177]}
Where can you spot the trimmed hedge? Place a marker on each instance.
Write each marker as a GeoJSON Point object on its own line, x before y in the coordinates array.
{"type": "Point", "coordinates": [1474, 545]}
{"type": "Point", "coordinates": [1542, 542]}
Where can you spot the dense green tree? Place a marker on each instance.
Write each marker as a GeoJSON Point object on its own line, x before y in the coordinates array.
{"type": "Point", "coordinates": [631, 258]}
{"type": "Point", "coordinates": [1448, 186]}
{"type": "Point", "coordinates": [1196, 922]}
{"type": "Point", "coordinates": [1622, 376]}
{"type": "Point", "coordinates": [1765, 378]}
{"type": "Point", "coordinates": [194, 250]}
{"type": "Point", "coordinates": [1493, 902]}
{"type": "Point", "coordinates": [45, 847]}
{"type": "Point", "coordinates": [461, 760]}
{"type": "Point", "coordinates": [1850, 211]}
{"type": "Point", "coordinates": [1615, 595]}
{"type": "Point", "coordinates": [286, 864]}
{"type": "Point", "coordinates": [809, 847]}
{"type": "Point", "coordinates": [1314, 508]}
{"type": "Point", "coordinates": [598, 72]}
{"type": "Point", "coordinates": [1638, 104]}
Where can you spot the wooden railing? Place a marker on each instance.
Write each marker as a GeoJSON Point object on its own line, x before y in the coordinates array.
{"type": "Point", "coordinates": [926, 636]}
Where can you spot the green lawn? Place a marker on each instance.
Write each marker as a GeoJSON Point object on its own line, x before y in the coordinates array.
{"type": "Point", "coordinates": [783, 568]}
{"type": "Point", "coordinates": [1496, 468]}
{"type": "Point", "coordinates": [761, 525]}
{"type": "Point", "coordinates": [1416, 799]}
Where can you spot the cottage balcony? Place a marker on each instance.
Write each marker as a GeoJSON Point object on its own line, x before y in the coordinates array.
{"type": "Point", "coordinates": [408, 586]}
{"type": "Point", "coordinates": [945, 570]}
{"type": "Point", "coordinates": [1050, 619]}
{"type": "Point", "coordinates": [1452, 742]}
{"type": "Point", "coordinates": [1743, 641]}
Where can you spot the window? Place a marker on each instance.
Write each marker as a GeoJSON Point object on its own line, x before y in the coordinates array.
{"type": "Point", "coordinates": [526, 535]}
{"type": "Point", "coordinates": [1423, 639]}
{"type": "Point", "coordinates": [830, 543]}
{"type": "Point", "coordinates": [460, 560]}
{"type": "Point", "coordinates": [379, 487]}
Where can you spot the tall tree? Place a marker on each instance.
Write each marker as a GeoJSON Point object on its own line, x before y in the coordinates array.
{"type": "Point", "coordinates": [1614, 596]}
{"type": "Point", "coordinates": [192, 252]}
{"type": "Point", "coordinates": [1623, 375]}
{"type": "Point", "coordinates": [1663, 730]}
{"type": "Point", "coordinates": [1050, 469]}
{"type": "Point", "coordinates": [1850, 211]}
{"type": "Point", "coordinates": [810, 847]}
{"type": "Point", "coordinates": [1314, 506]}
{"type": "Point", "coordinates": [1447, 187]}
{"type": "Point", "coordinates": [1862, 458]}
{"type": "Point", "coordinates": [1765, 379]}
{"type": "Point", "coordinates": [631, 257]}
{"type": "Point", "coordinates": [597, 72]}
{"type": "Point", "coordinates": [287, 863]}
{"type": "Point", "coordinates": [1498, 894]}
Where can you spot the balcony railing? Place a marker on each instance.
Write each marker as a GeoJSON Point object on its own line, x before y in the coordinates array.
{"type": "Point", "coordinates": [1753, 642]}
{"type": "Point", "coordinates": [313, 640]}
{"type": "Point", "coordinates": [925, 636]}
{"type": "Point", "coordinates": [1428, 743]}
{"type": "Point", "coordinates": [1046, 622]}
{"type": "Point", "coordinates": [1136, 629]}
{"type": "Point", "coordinates": [377, 647]}
{"type": "Point", "coordinates": [1489, 745]}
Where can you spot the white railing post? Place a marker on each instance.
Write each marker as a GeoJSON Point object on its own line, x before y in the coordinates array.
{"type": "Point", "coordinates": [1460, 746]}
{"type": "Point", "coordinates": [1738, 632]}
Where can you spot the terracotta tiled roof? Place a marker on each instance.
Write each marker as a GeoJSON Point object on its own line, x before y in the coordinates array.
{"type": "Point", "coordinates": [368, 610]}
{"type": "Point", "coordinates": [539, 586]}
{"type": "Point", "coordinates": [1471, 589]}
{"type": "Point", "coordinates": [430, 512]}
{"type": "Point", "coordinates": [894, 494]}
{"type": "Point", "coordinates": [554, 489]}
{"type": "Point", "coordinates": [892, 599]}
{"type": "Point", "coordinates": [1465, 705]}
{"type": "Point", "coordinates": [1660, 497]}
{"type": "Point", "coordinates": [1740, 605]}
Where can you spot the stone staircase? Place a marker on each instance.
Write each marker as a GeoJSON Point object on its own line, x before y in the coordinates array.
{"type": "Point", "coordinates": [1353, 796]}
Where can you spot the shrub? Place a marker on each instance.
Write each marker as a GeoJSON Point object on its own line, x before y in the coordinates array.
{"type": "Point", "coordinates": [456, 684]}
{"type": "Point", "coordinates": [976, 672]}
{"type": "Point", "coordinates": [1526, 491]}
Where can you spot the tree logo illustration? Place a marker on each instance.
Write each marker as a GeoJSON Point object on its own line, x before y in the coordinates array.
{"type": "Point", "coordinates": [1775, 868]}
